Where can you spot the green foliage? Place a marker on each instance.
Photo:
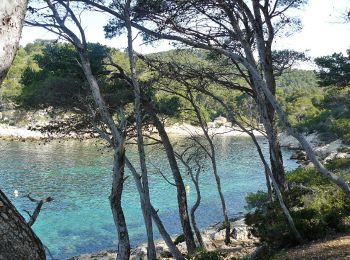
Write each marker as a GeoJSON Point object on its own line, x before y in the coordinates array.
{"type": "Point", "coordinates": [317, 207]}
{"type": "Point", "coordinates": [179, 239]}
{"type": "Point", "coordinates": [168, 105]}
{"type": "Point", "coordinates": [334, 70]}
{"type": "Point", "coordinates": [307, 177]}
{"type": "Point", "coordinates": [334, 120]}
{"type": "Point", "coordinates": [258, 199]}
{"type": "Point", "coordinates": [208, 255]}
{"type": "Point", "coordinates": [299, 95]}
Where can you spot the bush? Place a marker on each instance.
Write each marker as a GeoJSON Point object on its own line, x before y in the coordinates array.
{"type": "Point", "coordinates": [317, 207]}
{"type": "Point", "coordinates": [206, 255]}
{"type": "Point", "coordinates": [179, 239]}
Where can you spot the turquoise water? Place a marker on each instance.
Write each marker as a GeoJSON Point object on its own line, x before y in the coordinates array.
{"type": "Point", "coordinates": [78, 176]}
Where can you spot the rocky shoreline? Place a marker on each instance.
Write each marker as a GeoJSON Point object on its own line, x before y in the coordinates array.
{"type": "Point", "coordinates": [242, 244]}
{"type": "Point", "coordinates": [14, 133]}
{"type": "Point", "coordinates": [324, 151]}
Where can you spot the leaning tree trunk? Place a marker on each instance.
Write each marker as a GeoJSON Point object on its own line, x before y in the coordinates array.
{"type": "Point", "coordinates": [17, 239]}
{"type": "Point", "coordinates": [165, 235]}
{"type": "Point", "coordinates": [181, 192]}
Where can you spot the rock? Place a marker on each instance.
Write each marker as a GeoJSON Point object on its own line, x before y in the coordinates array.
{"type": "Point", "coordinates": [139, 253]}
{"type": "Point", "coordinates": [336, 155]}
{"type": "Point", "coordinates": [208, 242]}
{"type": "Point", "coordinates": [220, 235]}
{"type": "Point", "coordinates": [211, 125]}
{"type": "Point", "coordinates": [299, 155]}
{"type": "Point", "coordinates": [289, 141]}
{"type": "Point", "coordinates": [325, 150]}
{"type": "Point", "coordinates": [228, 124]}
{"type": "Point", "coordinates": [220, 120]}
{"type": "Point", "coordinates": [292, 143]}
{"type": "Point", "coordinates": [240, 230]}
{"type": "Point", "coordinates": [103, 255]}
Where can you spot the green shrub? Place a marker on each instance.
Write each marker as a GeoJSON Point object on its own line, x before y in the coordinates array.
{"type": "Point", "coordinates": [179, 239]}
{"type": "Point", "coordinates": [256, 200]}
{"type": "Point", "coordinates": [318, 208]}
{"type": "Point", "coordinates": [208, 255]}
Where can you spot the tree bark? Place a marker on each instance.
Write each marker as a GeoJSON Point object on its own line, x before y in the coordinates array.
{"type": "Point", "coordinates": [12, 14]}
{"type": "Point", "coordinates": [118, 164]}
{"type": "Point", "coordinates": [17, 239]}
{"type": "Point", "coordinates": [116, 204]}
{"type": "Point", "coordinates": [165, 235]}
{"type": "Point", "coordinates": [212, 156]}
{"type": "Point", "coordinates": [151, 249]}
{"type": "Point", "coordinates": [181, 192]}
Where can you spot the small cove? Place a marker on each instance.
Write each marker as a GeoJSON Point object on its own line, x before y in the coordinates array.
{"type": "Point", "coordinates": [78, 176]}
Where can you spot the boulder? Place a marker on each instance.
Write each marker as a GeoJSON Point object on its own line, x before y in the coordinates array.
{"type": "Point", "coordinates": [220, 235]}
{"type": "Point", "coordinates": [240, 230]}
{"type": "Point", "coordinates": [299, 155]}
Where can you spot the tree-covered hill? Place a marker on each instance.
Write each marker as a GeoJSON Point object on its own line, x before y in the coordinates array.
{"type": "Point", "coordinates": [47, 73]}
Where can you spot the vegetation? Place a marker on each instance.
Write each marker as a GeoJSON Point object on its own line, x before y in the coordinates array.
{"type": "Point", "coordinates": [317, 208]}
{"type": "Point", "coordinates": [232, 71]}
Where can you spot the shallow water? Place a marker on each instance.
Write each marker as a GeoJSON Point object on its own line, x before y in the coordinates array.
{"type": "Point", "coordinates": [78, 176]}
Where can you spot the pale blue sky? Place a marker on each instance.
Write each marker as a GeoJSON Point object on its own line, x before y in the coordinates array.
{"type": "Point", "coordinates": [323, 32]}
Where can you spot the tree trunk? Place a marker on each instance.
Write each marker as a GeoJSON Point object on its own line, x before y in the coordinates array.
{"type": "Point", "coordinates": [165, 235]}
{"type": "Point", "coordinates": [212, 156]}
{"type": "Point", "coordinates": [193, 211]}
{"type": "Point", "coordinates": [181, 192]}
{"type": "Point", "coordinates": [151, 249]}
{"type": "Point", "coordinates": [116, 204]}
{"type": "Point", "coordinates": [118, 164]}
{"type": "Point", "coordinates": [12, 14]}
{"type": "Point", "coordinates": [17, 239]}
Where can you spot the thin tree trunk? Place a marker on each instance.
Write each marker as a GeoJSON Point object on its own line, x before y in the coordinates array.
{"type": "Point", "coordinates": [195, 180]}
{"type": "Point", "coordinates": [151, 250]}
{"type": "Point", "coordinates": [165, 235]}
{"type": "Point", "coordinates": [266, 166]}
{"type": "Point", "coordinates": [181, 192]}
{"type": "Point", "coordinates": [119, 161]}
{"type": "Point", "coordinates": [116, 204]}
{"type": "Point", "coordinates": [212, 156]}
{"type": "Point", "coordinates": [278, 192]}
{"type": "Point", "coordinates": [338, 180]}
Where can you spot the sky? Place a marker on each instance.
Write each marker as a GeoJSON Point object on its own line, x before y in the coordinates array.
{"type": "Point", "coordinates": [323, 31]}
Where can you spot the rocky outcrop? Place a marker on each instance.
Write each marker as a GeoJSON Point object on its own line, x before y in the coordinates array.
{"type": "Point", "coordinates": [324, 151]}
{"type": "Point", "coordinates": [243, 243]}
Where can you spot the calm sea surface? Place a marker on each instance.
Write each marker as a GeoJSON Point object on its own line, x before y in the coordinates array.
{"type": "Point", "coordinates": [78, 176]}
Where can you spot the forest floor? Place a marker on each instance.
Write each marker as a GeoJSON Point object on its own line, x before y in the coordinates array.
{"type": "Point", "coordinates": [333, 247]}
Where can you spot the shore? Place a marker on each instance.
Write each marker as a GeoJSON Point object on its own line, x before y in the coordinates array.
{"type": "Point", "coordinates": [22, 133]}
{"type": "Point", "coordinates": [242, 244]}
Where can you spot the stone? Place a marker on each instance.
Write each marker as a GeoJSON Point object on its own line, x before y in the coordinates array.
{"type": "Point", "coordinates": [324, 151]}
{"type": "Point", "coordinates": [220, 235]}
{"type": "Point", "coordinates": [240, 230]}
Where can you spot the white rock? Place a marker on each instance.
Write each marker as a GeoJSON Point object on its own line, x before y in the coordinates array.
{"type": "Point", "coordinates": [327, 149]}
{"type": "Point", "coordinates": [220, 235]}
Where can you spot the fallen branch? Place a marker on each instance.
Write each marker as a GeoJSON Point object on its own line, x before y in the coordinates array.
{"type": "Point", "coordinates": [39, 205]}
